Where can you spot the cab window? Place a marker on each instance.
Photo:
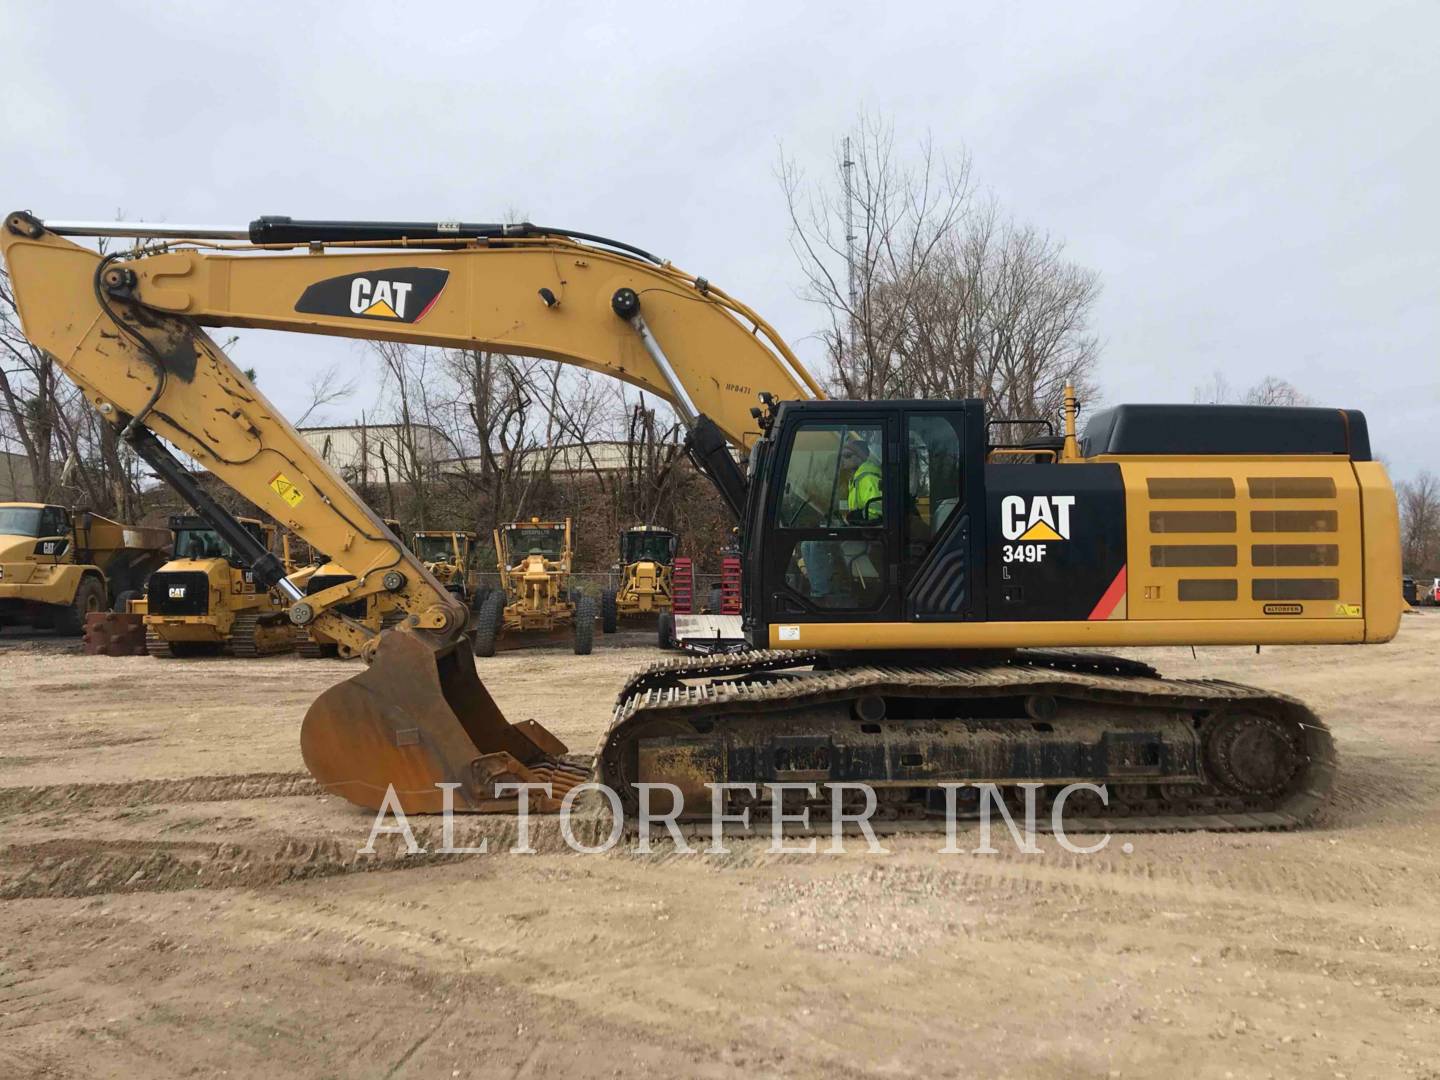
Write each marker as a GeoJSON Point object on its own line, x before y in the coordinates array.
{"type": "Point", "coordinates": [52, 522]}
{"type": "Point", "coordinates": [934, 479]}
{"type": "Point", "coordinates": [833, 478]}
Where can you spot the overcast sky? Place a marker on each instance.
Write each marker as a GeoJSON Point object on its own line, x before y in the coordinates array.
{"type": "Point", "coordinates": [1255, 184]}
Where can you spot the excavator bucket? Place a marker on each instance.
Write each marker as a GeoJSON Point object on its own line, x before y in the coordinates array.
{"type": "Point", "coordinates": [419, 717]}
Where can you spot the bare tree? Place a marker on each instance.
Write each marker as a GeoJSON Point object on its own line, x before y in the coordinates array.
{"type": "Point", "coordinates": [326, 388]}
{"type": "Point", "coordinates": [646, 483]}
{"type": "Point", "coordinates": [1271, 390]}
{"type": "Point", "coordinates": [1420, 524]}
{"type": "Point", "coordinates": [948, 298]}
{"type": "Point", "coordinates": [408, 372]}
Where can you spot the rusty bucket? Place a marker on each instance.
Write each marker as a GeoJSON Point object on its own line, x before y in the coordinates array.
{"type": "Point", "coordinates": [419, 716]}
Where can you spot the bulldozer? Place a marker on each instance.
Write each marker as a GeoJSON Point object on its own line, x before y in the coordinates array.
{"type": "Point", "coordinates": [647, 564]}
{"type": "Point", "coordinates": [535, 603]}
{"type": "Point", "coordinates": [206, 601]}
{"type": "Point", "coordinates": [914, 589]}
{"type": "Point", "coordinates": [57, 567]}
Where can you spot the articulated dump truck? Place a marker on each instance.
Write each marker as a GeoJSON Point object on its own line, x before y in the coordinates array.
{"type": "Point", "coordinates": [912, 588]}
{"type": "Point", "coordinates": [56, 567]}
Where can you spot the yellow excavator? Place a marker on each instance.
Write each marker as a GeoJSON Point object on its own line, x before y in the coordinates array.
{"type": "Point", "coordinates": [911, 587]}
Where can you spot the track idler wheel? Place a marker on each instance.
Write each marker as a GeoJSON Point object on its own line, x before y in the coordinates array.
{"type": "Point", "coordinates": [1252, 755]}
{"type": "Point", "coordinates": [419, 716]}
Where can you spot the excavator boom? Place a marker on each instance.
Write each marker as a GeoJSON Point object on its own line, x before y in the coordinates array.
{"type": "Point", "coordinates": [128, 330]}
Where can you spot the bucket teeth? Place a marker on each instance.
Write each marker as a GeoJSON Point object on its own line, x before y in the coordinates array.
{"type": "Point", "coordinates": [419, 717]}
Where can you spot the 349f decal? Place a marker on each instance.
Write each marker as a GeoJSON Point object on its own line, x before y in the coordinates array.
{"type": "Point", "coordinates": [405, 294]}
{"type": "Point", "coordinates": [1055, 542]}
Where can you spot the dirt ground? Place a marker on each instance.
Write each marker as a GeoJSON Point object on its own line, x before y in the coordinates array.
{"type": "Point", "coordinates": [177, 900]}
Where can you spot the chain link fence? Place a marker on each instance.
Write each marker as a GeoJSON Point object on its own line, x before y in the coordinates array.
{"type": "Point", "coordinates": [595, 584]}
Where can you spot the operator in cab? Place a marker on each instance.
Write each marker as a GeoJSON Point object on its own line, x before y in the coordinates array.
{"type": "Point", "coordinates": [831, 566]}
{"type": "Point", "coordinates": [864, 502]}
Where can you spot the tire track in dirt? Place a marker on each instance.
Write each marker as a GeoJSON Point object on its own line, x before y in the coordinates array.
{"type": "Point", "coordinates": [1261, 883]}
{"type": "Point", "coordinates": [63, 867]}
{"type": "Point", "coordinates": [264, 785]}
{"type": "Point", "coordinates": [72, 868]}
{"type": "Point", "coordinates": [28, 999]}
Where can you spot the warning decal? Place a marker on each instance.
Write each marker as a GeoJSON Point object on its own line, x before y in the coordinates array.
{"type": "Point", "coordinates": [283, 486]}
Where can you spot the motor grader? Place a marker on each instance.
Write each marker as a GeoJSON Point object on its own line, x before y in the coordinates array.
{"type": "Point", "coordinates": [206, 599]}
{"type": "Point", "coordinates": [57, 567]}
{"type": "Point", "coordinates": [915, 642]}
{"type": "Point", "coordinates": [647, 565]}
{"type": "Point", "coordinates": [450, 556]}
{"type": "Point", "coordinates": [534, 604]}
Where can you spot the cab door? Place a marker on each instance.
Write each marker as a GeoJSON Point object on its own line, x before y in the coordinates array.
{"type": "Point", "coordinates": [942, 536]}
{"type": "Point", "coordinates": [54, 539]}
{"type": "Point", "coordinates": [830, 539]}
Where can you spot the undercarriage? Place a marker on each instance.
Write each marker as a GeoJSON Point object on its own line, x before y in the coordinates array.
{"type": "Point", "coordinates": [1168, 753]}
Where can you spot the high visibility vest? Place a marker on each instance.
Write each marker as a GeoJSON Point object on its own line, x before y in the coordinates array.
{"type": "Point", "coordinates": [865, 487]}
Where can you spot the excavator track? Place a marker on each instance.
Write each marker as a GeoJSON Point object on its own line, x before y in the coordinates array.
{"type": "Point", "coordinates": [1174, 754]}
{"type": "Point", "coordinates": [254, 634]}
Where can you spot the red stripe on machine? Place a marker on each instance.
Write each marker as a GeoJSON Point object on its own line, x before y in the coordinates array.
{"type": "Point", "coordinates": [1113, 595]}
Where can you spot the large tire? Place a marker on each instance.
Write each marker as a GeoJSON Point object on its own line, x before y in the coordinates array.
{"type": "Point", "coordinates": [717, 600]}
{"type": "Point", "coordinates": [89, 597]}
{"type": "Point", "coordinates": [584, 625]}
{"type": "Point", "coordinates": [667, 630]}
{"type": "Point", "coordinates": [487, 626]}
{"type": "Point", "coordinates": [124, 599]}
{"type": "Point", "coordinates": [609, 613]}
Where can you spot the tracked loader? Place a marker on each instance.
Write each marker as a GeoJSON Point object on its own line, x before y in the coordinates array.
{"type": "Point", "coordinates": [913, 590]}
{"type": "Point", "coordinates": [206, 600]}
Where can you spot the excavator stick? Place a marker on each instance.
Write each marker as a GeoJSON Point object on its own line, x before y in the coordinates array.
{"type": "Point", "coordinates": [419, 717]}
